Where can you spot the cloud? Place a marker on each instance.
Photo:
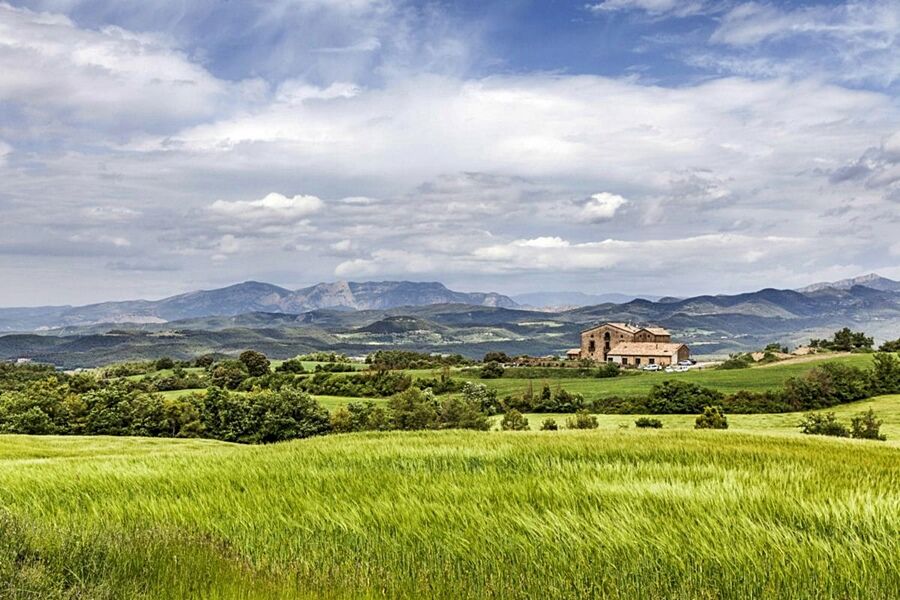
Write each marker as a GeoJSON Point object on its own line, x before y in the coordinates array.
{"type": "Point", "coordinates": [681, 8]}
{"type": "Point", "coordinates": [112, 78]}
{"type": "Point", "coordinates": [601, 207]}
{"type": "Point", "coordinates": [273, 209]}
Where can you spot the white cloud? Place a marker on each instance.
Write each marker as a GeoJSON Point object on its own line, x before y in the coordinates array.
{"type": "Point", "coordinates": [654, 7]}
{"type": "Point", "coordinates": [602, 207]}
{"type": "Point", "coordinates": [273, 209]}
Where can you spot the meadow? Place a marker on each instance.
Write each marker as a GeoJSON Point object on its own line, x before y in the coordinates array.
{"type": "Point", "coordinates": [608, 513]}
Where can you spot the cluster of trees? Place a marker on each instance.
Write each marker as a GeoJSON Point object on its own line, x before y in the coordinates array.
{"type": "Point", "coordinates": [823, 386]}
{"type": "Point", "coordinates": [844, 340]}
{"type": "Point", "coordinates": [406, 359]}
{"type": "Point", "coordinates": [493, 370]}
{"type": "Point", "coordinates": [864, 426]}
{"type": "Point", "coordinates": [410, 410]}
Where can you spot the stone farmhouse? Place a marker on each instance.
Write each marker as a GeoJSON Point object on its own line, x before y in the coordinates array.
{"type": "Point", "coordinates": [629, 346]}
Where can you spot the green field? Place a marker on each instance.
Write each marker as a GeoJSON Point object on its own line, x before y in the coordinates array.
{"type": "Point", "coordinates": [887, 408]}
{"type": "Point", "coordinates": [638, 384]}
{"type": "Point", "coordinates": [609, 513]}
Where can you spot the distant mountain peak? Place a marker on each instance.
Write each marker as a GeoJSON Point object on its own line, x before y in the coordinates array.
{"type": "Point", "coordinates": [872, 280]}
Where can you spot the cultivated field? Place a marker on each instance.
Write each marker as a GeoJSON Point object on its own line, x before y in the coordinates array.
{"type": "Point", "coordinates": [617, 514]}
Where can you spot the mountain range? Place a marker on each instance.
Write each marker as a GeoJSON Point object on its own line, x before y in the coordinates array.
{"type": "Point", "coordinates": [358, 318]}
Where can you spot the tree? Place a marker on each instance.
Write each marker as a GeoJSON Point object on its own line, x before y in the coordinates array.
{"type": "Point", "coordinates": [681, 397]}
{"type": "Point", "coordinates": [292, 365]}
{"type": "Point", "coordinates": [513, 420]}
{"type": "Point", "coordinates": [865, 426]}
{"type": "Point", "coordinates": [582, 420]}
{"type": "Point", "coordinates": [712, 418]}
{"type": "Point", "coordinates": [485, 397]}
{"type": "Point", "coordinates": [256, 362]}
{"type": "Point", "coordinates": [890, 346]}
{"type": "Point", "coordinates": [205, 361]}
{"type": "Point", "coordinates": [459, 413]}
{"type": "Point", "coordinates": [885, 377]}
{"type": "Point", "coordinates": [413, 409]}
{"type": "Point", "coordinates": [164, 363]}
{"type": "Point", "coordinates": [498, 357]}
{"type": "Point", "coordinates": [228, 374]}
{"type": "Point", "coordinates": [845, 340]}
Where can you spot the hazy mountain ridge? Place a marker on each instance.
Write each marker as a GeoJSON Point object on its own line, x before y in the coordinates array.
{"type": "Point", "coordinates": [247, 297]}
{"type": "Point", "coordinates": [709, 324]}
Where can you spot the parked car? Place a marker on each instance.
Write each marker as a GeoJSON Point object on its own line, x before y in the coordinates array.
{"type": "Point", "coordinates": [686, 363]}
{"type": "Point", "coordinates": [671, 369]}
{"type": "Point", "coordinates": [650, 368]}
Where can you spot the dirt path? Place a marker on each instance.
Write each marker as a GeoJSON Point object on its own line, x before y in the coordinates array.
{"type": "Point", "coordinates": [806, 359]}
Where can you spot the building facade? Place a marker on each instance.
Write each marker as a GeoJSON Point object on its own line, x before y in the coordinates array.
{"type": "Point", "coordinates": [630, 345]}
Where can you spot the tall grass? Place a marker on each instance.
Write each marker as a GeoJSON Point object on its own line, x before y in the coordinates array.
{"type": "Point", "coordinates": [615, 514]}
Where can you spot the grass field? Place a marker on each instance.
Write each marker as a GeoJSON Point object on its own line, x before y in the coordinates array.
{"type": "Point", "coordinates": [727, 381]}
{"type": "Point", "coordinates": [887, 408]}
{"type": "Point", "coordinates": [615, 514]}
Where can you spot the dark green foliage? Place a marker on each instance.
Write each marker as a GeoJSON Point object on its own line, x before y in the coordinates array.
{"type": "Point", "coordinates": [337, 367]}
{"type": "Point", "coordinates": [484, 397]}
{"type": "Point", "coordinates": [890, 346]}
{"type": "Point", "coordinates": [823, 424]}
{"type": "Point", "coordinates": [776, 347]}
{"type": "Point", "coordinates": [256, 362]}
{"type": "Point", "coordinates": [549, 425]}
{"type": "Point", "coordinates": [164, 363]}
{"type": "Point", "coordinates": [405, 359]}
{"type": "Point", "coordinates": [826, 385]}
{"type": "Point", "coordinates": [205, 361]}
{"type": "Point", "coordinates": [586, 371]}
{"type": "Point", "coordinates": [372, 384]}
{"type": "Point", "coordinates": [326, 357]}
{"type": "Point", "coordinates": [459, 413]}
{"type": "Point", "coordinates": [18, 377]}
{"type": "Point", "coordinates": [746, 402]}
{"type": "Point", "coordinates": [413, 409]}
{"type": "Point", "coordinates": [492, 370]}
{"type": "Point", "coordinates": [293, 365]}
{"type": "Point", "coordinates": [582, 420]}
{"type": "Point", "coordinates": [648, 423]}
{"type": "Point", "coordinates": [443, 384]}
{"type": "Point", "coordinates": [845, 340]}
{"type": "Point", "coordinates": [513, 420]}
{"type": "Point", "coordinates": [228, 374]}
{"type": "Point", "coordinates": [500, 357]}
{"type": "Point", "coordinates": [885, 374]}
{"type": "Point", "coordinates": [866, 426]}
{"type": "Point", "coordinates": [711, 418]}
{"type": "Point", "coordinates": [737, 361]}
{"type": "Point", "coordinates": [360, 417]}
{"type": "Point", "coordinates": [680, 397]}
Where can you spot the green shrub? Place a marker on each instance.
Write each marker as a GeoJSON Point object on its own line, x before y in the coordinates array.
{"type": "Point", "coordinates": [492, 370]}
{"type": "Point", "coordinates": [256, 362]}
{"type": "Point", "coordinates": [823, 424]}
{"type": "Point", "coordinates": [736, 361]}
{"type": "Point", "coordinates": [865, 426]}
{"type": "Point", "coordinates": [648, 422]}
{"type": "Point", "coordinates": [513, 420]}
{"type": "Point", "coordinates": [681, 397]}
{"type": "Point", "coordinates": [711, 418]}
{"type": "Point", "coordinates": [885, 377]}
{"type": "Point", "coordinates": [292, 365]}
{"type": "Point", "coordinates": [582, 420]}
{"type": "Point", "coordinates": [549, 425]}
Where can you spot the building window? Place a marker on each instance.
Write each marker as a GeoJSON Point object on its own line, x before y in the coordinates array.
{"type": "Point", "coordinates": [592, 346]}
{"type": "Point", "coordinates": [637, 362]}
{"type": "Point", "coordinates": [652, 361]}
{"type": "Point", "coordinates": [624, 361]}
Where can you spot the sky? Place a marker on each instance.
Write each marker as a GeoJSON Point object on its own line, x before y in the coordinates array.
{"type": "Point", "coordinates": [666, 147]}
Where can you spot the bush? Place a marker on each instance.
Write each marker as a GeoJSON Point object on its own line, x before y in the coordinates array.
{"type": "Point", "coordinates": [681, 397]}
{"type": "Point", "coordinates": [827, 385]}
{"type": "Point", "coordinates": [549, 425]}
{"type": "Point", "coordinates": [499, 357]}
{"type": "Point", "coordinates": [845, 340]}
{"type": "Point", "coordinates": [513, 420]}
{"type": "Point", "coordinates": [712, 418]}
{"type": "Point", "coordinates": [823, 424]}
{"type": "Point", "coordinates": [459, 413]}
{"type": "Point", "coordinates": [737, 361]}
{"type": "Point", "coordinates": [228, 374]}
{"type": "Point", "coordinates": [483, 396]}
{"type": "Point", "coordinates": [648, 423]}
{"type": "Point", "coordinates": [890, 346]}
{"type": "Point", "coordinates": [292, 365]}
{"type": "Point", "coordinates": [492, 370]}
{"type": "Point", "coordinates": [866, 426]}
{"type": "Point", "coordinates": [582, 420]}
{"type": "Point", "coordinates": [413, 409]}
